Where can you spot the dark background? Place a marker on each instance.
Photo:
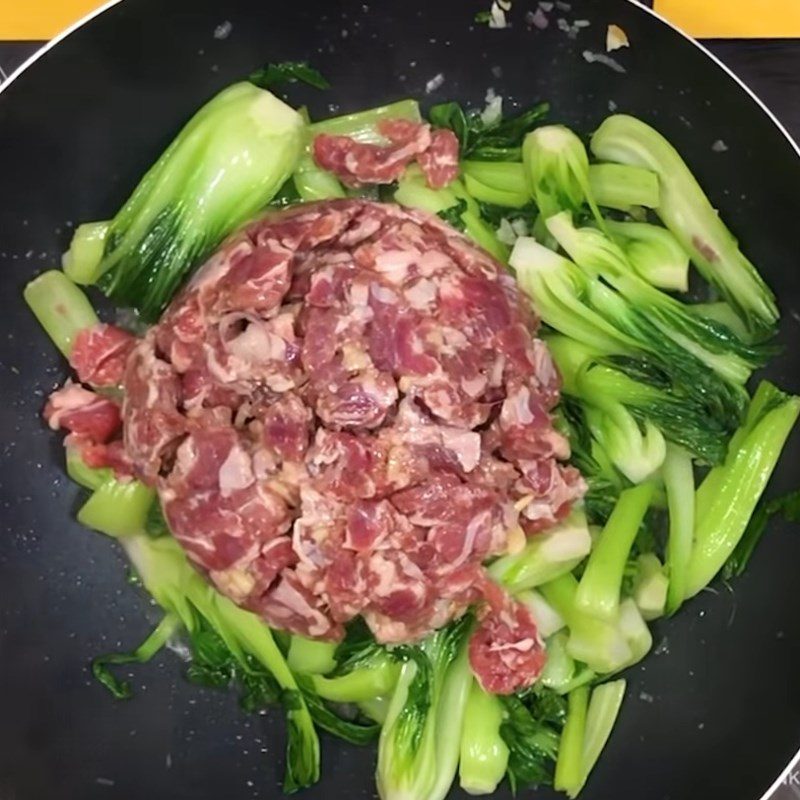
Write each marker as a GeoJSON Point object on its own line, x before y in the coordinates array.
{"type": "Point", "coordinates": [770, 68]}
{"type": "Point", "coordinates": [181, 722]}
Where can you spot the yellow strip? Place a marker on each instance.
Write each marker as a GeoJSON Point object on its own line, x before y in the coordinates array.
{"type": "Point", "coordinates": [38, 20]}
{"type": "Point", "coordinates": [769, 19]}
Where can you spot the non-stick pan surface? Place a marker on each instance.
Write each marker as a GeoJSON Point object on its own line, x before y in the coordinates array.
{"type": "Point", "coordinates": [714, 712]}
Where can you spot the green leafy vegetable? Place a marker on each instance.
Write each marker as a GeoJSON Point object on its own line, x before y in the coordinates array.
{"type": "Point", "coordinates": [678, 477]}
{"type": "Point", "coordinates": [311, 656]}
{"type": "Point", "coordinates": [713, 344]}
{"type": "Point", "coordinates": [453, 216]}
{"type": "Point", "coordinates": [497, 141]}
{"type": "Point", "coordinates": [699, 423]}
{"type": "Point", "coordinates": [155, 524]}
{"type": "Point", "coordinates": [88, 477]}
{"type": "Point", "coordinates": [622, 187]}
{"type": "Point", "coordinates": [489, 194]}
{"type": "Point", "coordinates": [604, 482]}
{"type": "Point", "coordinates": [569, 775]}
{"type": "Point", "coordinates": [375, 676]}
{"type": "Point", "coordinates": [532, 741]}
{"type": "Point", "coordinates": [484, 753]}
{"type": "Point", "coordinates": [560, 667]}
{"type": "Point", "coordinates": [688, 213]}
{"type": "Point", "coordinates": [494, 216]}
{"type": "Point", "coordinates": [155, 641]}
{"type": "Point", "coordinates": [356, 730]}
{"type": "Point", "coordinates": [61, 308]}
{"type": "Point", "coordinates": [505, 176]}
{"type": "Point", "coordinates": [118, 508]}
{"type": "Point", "coordinates": [420, 740]}
{"type": "Point", "coordinates": [727, 497]}
{"type": "Point", "coordinates": [546, 556]}
{"type": "Point", "coordinates": [787, 506]}
{"type": "Point", "coordinates": [657, 257]}
{"type": "Point", "coordinates": [85, 252]}
{"type": "Point", "coordinates": [413, 192]}
{"type": "Point", "coordinates": [650, 586]}
{"type": "Point", "coordinates": [271, 76]}
{"type": "Point", "coordinates": [230, 645]}
{"type": "Point", "coordinates": [598, 643]}
{"type": "Point", "coordinates": [636, 446]}
{"type": "Point", "coordinates": [557, 167]}
{"type": "Point", "coordinates": [599, 590]}
{"type": "Point", "coordinates": [586, 309]}
{"type": "Point", "coordinates": [601, 715]}
{"type": "Point", "coordinates": [226, 164]}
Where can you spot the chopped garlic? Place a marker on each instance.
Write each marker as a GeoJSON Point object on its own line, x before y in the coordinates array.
{"type": "Point", "coordinates": [522, 502]}
{"type": "Point", "coordinates": [520, 227]}
{"type": "Point", "coordinates": [616, 38]}
{"type": "Point", "coordinates": [434, 83]}
{"type": "Point", "coordinates": [515, 543]}
{"type": "Point", "coordinates": [602, 58]}
{"type": "Point", "coordinates": [505, 233]}
{"type": "Point", "coordinates": [497, 16]}
{"type": "Point", "coordinates": [494, 108]}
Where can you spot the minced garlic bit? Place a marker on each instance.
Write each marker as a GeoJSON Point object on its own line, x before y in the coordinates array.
{"type": "Point", "coordinates": [434, 83]}
{"type": "Point", "coordinates": [523, 502]}
{"type": "Point", "coordinates": [497, 14]}
{"type": "Point", "coordinates": [516, 541]}
{"type": "Point", "coordinates": [616, 38]}
{"type": "Point", "coordinates": [505, 233]}
{"type": "Point", "coordinates": [602, 58]}
{"type": "Point", "coordinates": [494, 108]}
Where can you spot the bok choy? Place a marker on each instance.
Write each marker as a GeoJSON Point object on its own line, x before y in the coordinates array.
{"type": "Point", "coordinates": [225, 165]}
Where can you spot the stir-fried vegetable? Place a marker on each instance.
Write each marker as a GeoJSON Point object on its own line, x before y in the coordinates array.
{"type": "Point", "coordinates": [454, 204]}
{"type": "Point", "coordinates": [589, 311]}
{"type": "Point", "coordinates": [652, 386]}
{"type": "Point", "coordinates": [484, 755]}
{"type": "Point", "coordinates": [226, 164]}
{"type": "Point", "coordinates": [85, 252]}
{"type": "Point", "coordinates": [607, 383]}
{"type": "Point", "coordinates": [499, 140]}
{"type": "Point", "coordinates": [622, 187]}
{"type": "Point", "coordinates": [532, 730]}
{"type": "Point", "coordinates": [601, 714]}
{"type": "Point", "coordinates": [656, 256]}
{"type": "Point", "coordinates": [687, 212]}
{"type": "Point", "coordinates": [557, 166]}
{"type": "Point", "coordinates": [708, 341]}
{"type": "Point", "coordinates": [117, 509]}
{"type": "Point", "coordinates": [546, 556]}
{"type": "Point", "coordinates": [162, 567]}
{"type": "Point", "coordinates": [598, 643]}
{"type": "Point", "coordinates": [727, 497]}
{"type": "Point", "coordinates": [650, 586]}
{"type": "Point", "coordinates": [421, 737]}
{"type": "Point", "coordinates": [61, 307]}
{"type": "Point", "coordinates": [678, 477]}
{"type": "Point", "coordinates": [599, 590]}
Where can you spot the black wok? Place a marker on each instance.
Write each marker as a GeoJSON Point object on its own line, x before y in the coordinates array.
{"type": "Point", "coordinates": [713, 712]}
